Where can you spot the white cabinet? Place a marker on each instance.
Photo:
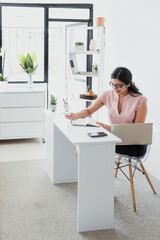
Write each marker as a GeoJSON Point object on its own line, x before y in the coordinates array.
{"type": "Point", "coordinates": [22, 112]}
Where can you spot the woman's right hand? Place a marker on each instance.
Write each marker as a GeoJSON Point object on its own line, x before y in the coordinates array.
{"type": "Point", "coordinates": [71, 116]}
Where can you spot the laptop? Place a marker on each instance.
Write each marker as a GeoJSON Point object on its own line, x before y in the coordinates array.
{"type": "Point", "coordinates": [134, 133]}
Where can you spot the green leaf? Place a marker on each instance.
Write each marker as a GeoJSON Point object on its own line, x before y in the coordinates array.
{"type": "Point", "coordinates": [34, 56]}
{"type": "Point", "coordinates": [28, 62]}
{"type": "Point", "coordinates": [53, 99]}
{"type": "Point", "coordinates": [22, 59]}
{"type": "Point", "coordinates": [2, 78]}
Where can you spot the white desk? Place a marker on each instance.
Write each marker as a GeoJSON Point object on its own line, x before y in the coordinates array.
{"type": "Point", "coordinates": [93, 169]}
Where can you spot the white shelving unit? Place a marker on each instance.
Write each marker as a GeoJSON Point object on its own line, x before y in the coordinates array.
{"type": "Point", "coordinates": [76, 61]}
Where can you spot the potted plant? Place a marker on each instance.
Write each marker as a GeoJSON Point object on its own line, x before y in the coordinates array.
{"type": "Point", "coordinates": [91, 93]}
{"type": "Point", "coordinates": [28, 65]}
{"type": "Point", "coordinates": [95, 67]}
{"type": "Point", "coordinates": [2, 79]}
{"type": "Point", "coordinates": [79, 46]}
{"type": "Point", "coordinates": [53, 103]}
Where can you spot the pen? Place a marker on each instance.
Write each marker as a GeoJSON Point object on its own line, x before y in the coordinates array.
{"type": "Point", "coordinates": [64, 101]}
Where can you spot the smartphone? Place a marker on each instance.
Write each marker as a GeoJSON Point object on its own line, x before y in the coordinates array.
{"type": "Point", "coordinates": [97, 134]}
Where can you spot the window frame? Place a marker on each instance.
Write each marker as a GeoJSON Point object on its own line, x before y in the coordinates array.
{"type": "Point", "coordinates": [46, 8]}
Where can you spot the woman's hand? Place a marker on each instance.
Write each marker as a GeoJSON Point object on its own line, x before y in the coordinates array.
{"type": "Point", "coordinates": [71, 116]}
{"type": "Point", "coordinates": [105, 126]}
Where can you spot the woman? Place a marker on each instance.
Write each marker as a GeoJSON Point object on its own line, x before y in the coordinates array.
{"type": "Point", "coordinates": [125, 104]}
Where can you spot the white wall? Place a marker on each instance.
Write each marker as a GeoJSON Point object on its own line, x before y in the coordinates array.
{"type": "Point", "coordinates": [133, 40]}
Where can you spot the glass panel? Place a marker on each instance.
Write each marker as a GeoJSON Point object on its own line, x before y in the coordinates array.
{"type": "Point", "coordinates": [22, 35]}
{"type": "Point", "coordinates": [69, 13]}
{"type": "Point", "coordinates": [56, 81]}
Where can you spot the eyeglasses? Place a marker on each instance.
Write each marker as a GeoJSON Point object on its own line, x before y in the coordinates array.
{"type": "Point", "coordinates": [116, 85]}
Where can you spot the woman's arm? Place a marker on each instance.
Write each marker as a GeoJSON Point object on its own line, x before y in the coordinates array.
{"type": "Point", "coordinates": [87, 111]}
{"type": "Point", "coordinates": [105, 126]}
{"type": "Point", "coordinates": [141, 113]}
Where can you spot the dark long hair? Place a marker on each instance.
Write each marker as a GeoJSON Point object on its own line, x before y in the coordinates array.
{"type": "Point", "coordinates": [125, 76]}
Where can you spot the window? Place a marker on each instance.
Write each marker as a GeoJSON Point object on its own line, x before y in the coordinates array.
{"type": "Point", "coordinates": [23, 33]}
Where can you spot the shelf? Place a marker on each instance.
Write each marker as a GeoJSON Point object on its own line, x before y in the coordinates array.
{"type": "Point", "coordinates": [87, 52]}
{"type": "Point", "coordinates": [84, 96]}
{"type": "Point", "coordinates": [89, 28]}
{"type": "Point", "coordinates": [84, 75]}
{"type": "Point", "coordinates": [81, 99]}
{"type": "Point", "coordinates": [87, 74]}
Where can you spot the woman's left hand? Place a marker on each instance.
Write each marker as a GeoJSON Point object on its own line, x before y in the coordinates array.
{"type": "Point", "coordinates": [105, 126]}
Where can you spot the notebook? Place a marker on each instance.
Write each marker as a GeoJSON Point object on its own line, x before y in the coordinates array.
{"type": "Point", "coordinates": [85, 122]}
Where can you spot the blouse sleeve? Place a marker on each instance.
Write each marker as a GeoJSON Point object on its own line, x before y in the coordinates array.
{"type": "Point", "coordinates": [104, 97]}
{"type": "Point", "coordinates": [140, 101]}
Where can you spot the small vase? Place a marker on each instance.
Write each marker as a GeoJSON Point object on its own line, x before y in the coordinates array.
{"type": "Point", "coordinates": [30, 81]}
{"type": "Point", "coordinates": [79, 48]}
{"type": "Point", "coordinates": [4, 83]}
{"type": "Point", "coordinates": [100, 21]}
{"type": "Point", "coordinates": [92, 45]}
{"type": "Point", "coordinates": [53, 107]}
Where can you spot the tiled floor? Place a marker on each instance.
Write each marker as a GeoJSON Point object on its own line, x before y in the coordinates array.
{"type": "Point", "coordinates": [22, 149]}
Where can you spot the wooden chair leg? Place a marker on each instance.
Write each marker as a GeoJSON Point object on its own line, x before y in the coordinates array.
{"type": "Point", "coordinates": [148, 179]}
{"type": "Point", "coordinates": [118, 163]}
{"type": "Point", "coordinates": [132, 187]}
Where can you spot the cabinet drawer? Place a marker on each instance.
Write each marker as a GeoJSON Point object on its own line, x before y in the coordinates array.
{"type": "Point", "coordinates": [21, 114]}
{"type": "Point", "coordinates": [21, 99]}
{"type": "Point", "coordinates": [21, 130]}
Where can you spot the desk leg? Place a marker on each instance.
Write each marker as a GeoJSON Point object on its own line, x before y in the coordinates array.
{"type": "Point", "coordinates": [61, 162]}
{"type": "Point", "coordinates": [95, 186]}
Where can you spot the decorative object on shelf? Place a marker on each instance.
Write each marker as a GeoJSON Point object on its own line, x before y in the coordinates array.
{"type": "Point", "coordinates": [79, 46]}
{"type": "Point", "coordinates": [3, 80]}
{"type": "Point", "coordinates": [86, 96]}
{"type": "Point", "coordinates": [85, 73]}
{"type": "Point", "coordinates": [53, 103]}
{"type": "Point", "coordinates": [100, 21]}
{"type": "Point", "coordinates": [28, 65]}
{"type": "Point", "coordinates": [92, 45]}
{"type": "Point", "coordinates": [91, 93]}
{"type": "Point", "coordinates": [73, 63]}
{"type": "Point", "coordinates": [95, 67]}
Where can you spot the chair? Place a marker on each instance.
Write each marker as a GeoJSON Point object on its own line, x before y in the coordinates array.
{"type": "Point", "coordinates": [134, 136]}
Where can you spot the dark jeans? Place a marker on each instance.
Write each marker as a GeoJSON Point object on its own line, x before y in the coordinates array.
{"type": "Point", "coordinates": [132, 150]}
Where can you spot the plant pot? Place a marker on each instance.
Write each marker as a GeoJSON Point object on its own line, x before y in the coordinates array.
{"type": "Point", "coordinates": [95, 72]}
{"type": "Point", "coordinates": [79, 48]}
{"type": "Point", "coordinates": [100, 21]}
{"type": "Point", "coordinates": [91, 94]}
{"type": "Point", "coordinates": [53, 107]}
{"type": "Point", "coordinates": [3, 84]}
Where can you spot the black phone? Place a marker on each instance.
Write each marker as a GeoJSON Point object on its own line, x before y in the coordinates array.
{"type": "Point", "coordinates": [97, 134]}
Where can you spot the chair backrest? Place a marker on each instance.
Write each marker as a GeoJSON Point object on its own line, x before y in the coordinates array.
{"type": "Point", "coordinates": [135, 133]}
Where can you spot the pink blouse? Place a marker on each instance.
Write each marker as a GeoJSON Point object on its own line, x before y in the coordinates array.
{"type": "Point", "coordinates": [131, 104]}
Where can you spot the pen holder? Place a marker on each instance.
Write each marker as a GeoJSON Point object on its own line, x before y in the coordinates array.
{"type": "Point", "coordinates": [66, 107]}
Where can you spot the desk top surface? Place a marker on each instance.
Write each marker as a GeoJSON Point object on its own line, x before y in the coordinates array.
{"type": "Point", "coordinates": [78, 134]}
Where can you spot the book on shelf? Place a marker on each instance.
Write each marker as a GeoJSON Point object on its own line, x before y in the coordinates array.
{"type": "Point", "coordinates": [73, 63]}
{"type": "Point", "coordinates": [85, 122]}
{"type": "Point", "coordinates": [86, 73]}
